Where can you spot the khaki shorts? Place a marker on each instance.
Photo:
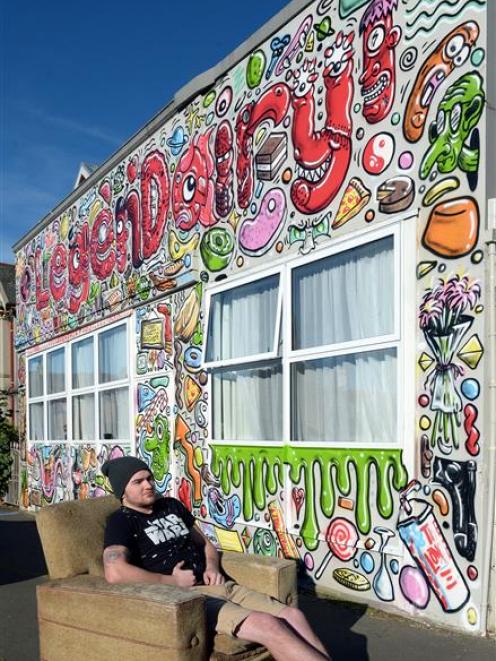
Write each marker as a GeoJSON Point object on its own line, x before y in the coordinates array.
{"type": "Point", "coordinates": [229, 604]}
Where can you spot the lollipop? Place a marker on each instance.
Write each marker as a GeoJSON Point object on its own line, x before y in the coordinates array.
{"type": "Point", "coordinates": [341, 538]}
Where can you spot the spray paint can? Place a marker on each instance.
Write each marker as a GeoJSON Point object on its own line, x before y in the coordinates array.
{"type": "Point", "coordinates": [421, 534]}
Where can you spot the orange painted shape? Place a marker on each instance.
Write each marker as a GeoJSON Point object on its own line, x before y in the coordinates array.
{"type": "Point", "coordinates": [181, 439]}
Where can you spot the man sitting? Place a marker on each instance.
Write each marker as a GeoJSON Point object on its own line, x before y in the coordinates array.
{"type": "Point", "coordinates": [155, 540]}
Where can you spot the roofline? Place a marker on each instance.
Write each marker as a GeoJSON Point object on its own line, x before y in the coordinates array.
{"type": "Point", "coordinates": [181, 98]}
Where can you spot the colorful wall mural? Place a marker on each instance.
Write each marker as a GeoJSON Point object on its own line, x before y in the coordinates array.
{"type": "Point", "coordinates": [355, 114]}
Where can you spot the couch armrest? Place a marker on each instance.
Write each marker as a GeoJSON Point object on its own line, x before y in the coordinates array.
{"type": "Point", "coordinates": [273, 576]}
{"type": "Point", "coordinates": [121, 620]}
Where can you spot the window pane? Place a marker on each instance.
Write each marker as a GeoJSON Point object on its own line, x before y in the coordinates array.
{"type": "Point", "coordinates": [247, 403]}
{"type": "Point", "coordinates": [83, 363]}
{"type": "Point", "coordinates": [36, 422]}
{"type": "Point", "coordinates": [114, 414]}
{"type": "Point", "coordinates": [242, 320]}
{"type": "Point", "coordinates": [57, 420]}
{"type": "Point", "coordinates": [56, 371]}
{"type": "Point", "coordinates": [348, 399]}
{"type": "Point", "coordinates": [35, 367]}
{"type": "Point", "coordinates": [344, 297]}
{"type": "Point", "coordinates": [112, 355]}
{"type": "Point", "coordinates": [83, 417]}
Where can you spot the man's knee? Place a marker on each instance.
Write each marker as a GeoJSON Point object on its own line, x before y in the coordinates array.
{"type": "Point", "coordinates": [293, 615]}
{"type": "Point", "coordinates": [265, 625]}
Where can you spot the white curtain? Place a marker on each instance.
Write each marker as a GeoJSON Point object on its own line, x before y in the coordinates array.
{"type": "Point", "coordinates": [83, 417]}
{"type": "Point", "coordinates": [349, 399]}
{"type": "Point", "coordinates": [57, 420]}
{"type": "Point", "coordinates": [55, 371]}
{"type": "Point", "coordinates": [344, 297]}
{"type": "Point", "coordinates": [247, 403]}
{"type": "Point", "coordinates": [35, 368]}
{"type": "Point", "coordinates": [112, 353]}
{"type": "Point", "coordinates": [36, 422]}
{"type": "Point", "coordinates": [242, 320]}
{"type": "Point", "coordinates": [82, 363]}
{"type": "Point", "coordinates": [114, 414]}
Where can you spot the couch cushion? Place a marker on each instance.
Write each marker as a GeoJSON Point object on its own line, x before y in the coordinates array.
{"type": "Point", "coordinates": [142, 614]}
{"type": "Point", "coordinates": [72, 535]}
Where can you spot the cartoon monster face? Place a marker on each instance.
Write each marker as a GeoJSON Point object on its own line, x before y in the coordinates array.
{"type": "Point", "coordinates": [79, 259]}
{"type": "Point", "coordinates": [378, 79]}
{"type": "Point", "coordinates": [458, 113]}
{"type": "Point", "coordinates": [102, 245]}
{"type": "Point", "coordinates": [193, 190]}
{"type": "Point", "coordinates": [58, 268]}
{"type": "Point", "coordinates": [158, 445]}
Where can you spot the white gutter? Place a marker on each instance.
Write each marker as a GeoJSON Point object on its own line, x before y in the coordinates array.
{"type": "Point", "coordinates": [490, 436]}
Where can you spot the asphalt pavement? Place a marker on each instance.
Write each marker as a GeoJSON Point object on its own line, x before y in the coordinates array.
{"type": "Point", "coordinates": [351, 632]}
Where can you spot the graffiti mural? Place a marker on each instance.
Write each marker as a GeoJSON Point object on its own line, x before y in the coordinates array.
{"type": "Point", "coordinates": [355, 118]}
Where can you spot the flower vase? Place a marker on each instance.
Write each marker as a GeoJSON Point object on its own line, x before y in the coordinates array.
{"type": "Point", "coordinates": [445, 398]}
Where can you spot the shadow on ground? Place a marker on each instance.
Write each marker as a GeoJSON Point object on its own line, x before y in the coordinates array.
{"type": "Point", "coordinates": [333, 622]}
{"type": "Point", "coordinates": [21, 555]}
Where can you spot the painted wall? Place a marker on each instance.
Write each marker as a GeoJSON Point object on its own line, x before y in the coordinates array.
{"type": "Point", "coordinates": [353, 113]}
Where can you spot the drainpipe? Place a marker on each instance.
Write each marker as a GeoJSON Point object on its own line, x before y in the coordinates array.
{"type": "Point", "coordinates": [491, 407]}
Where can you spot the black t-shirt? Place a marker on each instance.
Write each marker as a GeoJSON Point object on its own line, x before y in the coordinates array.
{"type": "Point", "coordinates": [157, 541]}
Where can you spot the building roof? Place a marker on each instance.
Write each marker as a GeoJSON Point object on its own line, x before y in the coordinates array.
{"type": "Point", "coordinates": [7, 281]}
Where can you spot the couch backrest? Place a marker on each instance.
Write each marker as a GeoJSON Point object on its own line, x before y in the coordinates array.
{"type": "Point", "coordinates": [72, 535]}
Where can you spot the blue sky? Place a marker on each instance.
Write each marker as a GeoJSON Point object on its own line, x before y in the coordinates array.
{"type": "Point", "coordinates": [78, 79]}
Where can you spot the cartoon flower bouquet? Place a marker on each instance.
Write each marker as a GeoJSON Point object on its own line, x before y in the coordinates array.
{"type": "Point", "coordinates": [444, 323]}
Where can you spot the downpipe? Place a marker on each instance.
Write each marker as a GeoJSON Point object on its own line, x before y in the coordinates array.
{"type": "Point", "coordinates": [490, 606]}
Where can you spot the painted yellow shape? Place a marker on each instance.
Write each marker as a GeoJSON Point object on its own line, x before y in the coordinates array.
{"type": "Point", "coordinates": [471, 352]}
{"type": "Point", "coordinates": [424, 423]}
{"type": "Point", "coordinates": [234, 219]}
{"type": "Point", "coordinates": [425, 361]}
{"type": "Point", "coordinates": [309, 46]}
{"type": "Point", "coordinates": [229, 540]}
{"type": "Point", "coordinates": [95, 210]}
{"type": "Point", "coordinates": [177, 248]}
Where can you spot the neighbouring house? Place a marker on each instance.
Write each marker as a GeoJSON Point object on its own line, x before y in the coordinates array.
{"type": "Point", "coordinates": [280, 293]}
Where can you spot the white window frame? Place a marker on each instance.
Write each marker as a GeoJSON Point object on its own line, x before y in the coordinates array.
{"type": "Point", "coordinates": [226, 286]}
{"type": "Point", "coordinates": [403, 230]}
{"type": "Point", "coordinates": [95, 389]}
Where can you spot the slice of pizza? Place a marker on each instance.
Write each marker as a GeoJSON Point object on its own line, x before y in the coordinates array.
{"type": "Point", "coordinates": [354, 199]}
{"type": "Point", "coordinates": [192, 392]}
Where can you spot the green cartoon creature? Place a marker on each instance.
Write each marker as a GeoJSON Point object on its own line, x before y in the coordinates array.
{"type": "Point", "coordinates": [158, 446]}
{"type": "Point", "coordinates": [457, 115]}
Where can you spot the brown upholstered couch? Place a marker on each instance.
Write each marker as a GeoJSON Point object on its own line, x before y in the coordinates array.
{"type": "Point", "coordinates": [80, 615]}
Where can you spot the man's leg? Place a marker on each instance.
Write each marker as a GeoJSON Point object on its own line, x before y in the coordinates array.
{"type": "Point", "coordinates": [281, 641]}
{"type": "Point", "coordinates": [297, 620]}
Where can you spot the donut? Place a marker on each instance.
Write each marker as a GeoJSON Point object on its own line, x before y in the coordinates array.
{"type": "Point", "coordinates": [216, 248]}
{"type": "Point", "coordinates": [450, 53]}
{"type": "Point", "coordinates": [192, 359]}
{"type": "Point", "coordinates": [258, 234]}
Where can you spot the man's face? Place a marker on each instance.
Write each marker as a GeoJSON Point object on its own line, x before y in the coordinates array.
{"type": "Point", "coordinates": [140, 490]}
{"type": "Point", "coordinates": [378, 78]}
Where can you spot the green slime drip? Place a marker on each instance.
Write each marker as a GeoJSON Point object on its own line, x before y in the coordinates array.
{"type": "Point", "coordinates": [262, 469]}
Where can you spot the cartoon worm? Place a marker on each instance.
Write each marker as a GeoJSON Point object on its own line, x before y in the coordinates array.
{"type": "Point", "coordinates": [451, 53]}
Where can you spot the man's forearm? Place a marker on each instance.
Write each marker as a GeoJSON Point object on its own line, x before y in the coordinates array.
{"type": "Point", "coordinates": [118, 570]}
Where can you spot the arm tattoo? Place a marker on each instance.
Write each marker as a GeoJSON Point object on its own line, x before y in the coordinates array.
{"type": "Point", "coordinates": [115, 553]}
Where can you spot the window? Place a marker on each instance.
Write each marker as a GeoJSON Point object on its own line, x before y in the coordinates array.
{"type": "Point", "coordinates": [81, 391]}
{"type": "Point", "coordinates": [312, 352]}
{"type": "Point", "coordinates": [244, 354]}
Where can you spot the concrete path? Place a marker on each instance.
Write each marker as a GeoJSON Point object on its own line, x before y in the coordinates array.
{"type": "Point", "coordinates": [352, 632]}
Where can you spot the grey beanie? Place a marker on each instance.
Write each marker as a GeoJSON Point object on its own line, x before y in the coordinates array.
{"type": "Point", "coordinates": [119, 471]}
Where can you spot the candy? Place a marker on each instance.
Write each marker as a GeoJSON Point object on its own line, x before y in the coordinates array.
{"type": "Point", "coordinates": [216, 248]}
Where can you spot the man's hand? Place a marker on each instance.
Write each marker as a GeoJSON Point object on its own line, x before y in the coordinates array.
{"type": "Point", "coordinates": [212, 576]}
{"type": "Point", "coordinates": [183, 578]}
